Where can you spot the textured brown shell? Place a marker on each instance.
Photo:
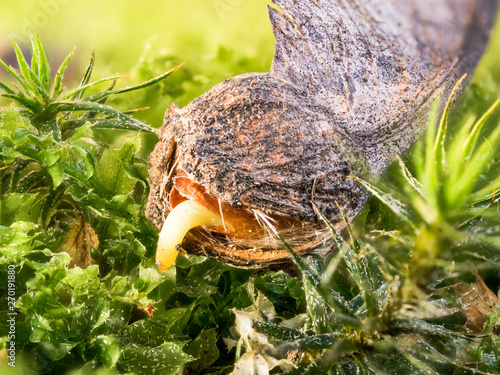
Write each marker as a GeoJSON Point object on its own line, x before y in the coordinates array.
{"type": "Point", "coordinates": [350, 87]}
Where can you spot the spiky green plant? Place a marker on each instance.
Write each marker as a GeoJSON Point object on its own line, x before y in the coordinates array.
{"type": "Point", "coordinates": [53, 109]}
{"type": "Point", "coordinates": [450, 202]}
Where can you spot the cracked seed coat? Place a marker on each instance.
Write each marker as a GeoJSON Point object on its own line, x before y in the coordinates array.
{"type": "Point", "coordinates": [350, 87]}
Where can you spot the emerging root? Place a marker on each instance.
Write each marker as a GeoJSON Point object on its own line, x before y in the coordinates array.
{"type": "Point", "coordinates": [182, 218]}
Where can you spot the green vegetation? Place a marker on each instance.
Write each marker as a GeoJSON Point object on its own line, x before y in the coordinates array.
{"type": "Point", "coordinates": [412, 289]}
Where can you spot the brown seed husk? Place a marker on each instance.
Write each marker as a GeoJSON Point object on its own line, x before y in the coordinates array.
{"type": "Point", "coordinates": [350, 87]}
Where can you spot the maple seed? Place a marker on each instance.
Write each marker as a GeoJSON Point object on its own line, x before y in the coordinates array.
{"type": "Point", "coordinates": [182, 218]}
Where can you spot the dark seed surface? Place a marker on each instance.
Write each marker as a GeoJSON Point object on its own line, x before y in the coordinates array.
{"type": "Point", "coordinates": [350, 88]}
